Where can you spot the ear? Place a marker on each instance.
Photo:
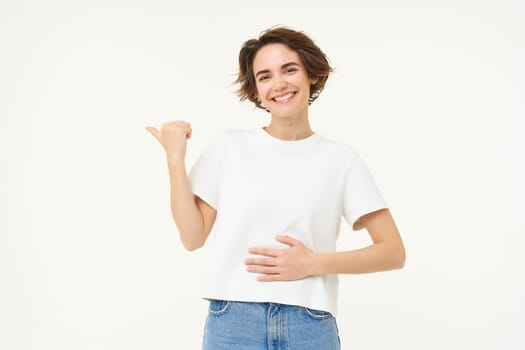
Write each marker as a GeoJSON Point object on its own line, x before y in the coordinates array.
{"type": "Point", "coordinates": [313, 81]}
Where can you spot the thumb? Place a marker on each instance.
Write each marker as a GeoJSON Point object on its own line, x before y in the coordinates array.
{"type": "Point", "coordinates": [154, 132]}
{"type": "Point", "coordinates": [287, 240]}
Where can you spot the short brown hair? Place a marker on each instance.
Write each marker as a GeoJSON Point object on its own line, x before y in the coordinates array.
{"type": "Point", "coordinates": [314, 60]}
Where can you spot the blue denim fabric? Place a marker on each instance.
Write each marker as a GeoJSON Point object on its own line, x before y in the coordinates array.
{"type": "Point", "coordinates": [236, 325]}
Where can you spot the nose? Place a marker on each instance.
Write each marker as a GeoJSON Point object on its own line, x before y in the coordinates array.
{"type": "Point", "coordinates": [279, 83]}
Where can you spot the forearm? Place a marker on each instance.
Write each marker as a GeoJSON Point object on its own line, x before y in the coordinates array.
{"type": "Point", "coordinates": [374, 258]}
{"type": "Point", "coordinates": [184, 210]}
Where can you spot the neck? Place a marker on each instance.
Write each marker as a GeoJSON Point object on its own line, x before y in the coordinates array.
{"type": "Point", "coordinates": [290, 128]}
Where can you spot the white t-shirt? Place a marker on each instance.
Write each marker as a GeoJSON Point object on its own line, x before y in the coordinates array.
{"type": "Point", "coordinates": [262, 186]}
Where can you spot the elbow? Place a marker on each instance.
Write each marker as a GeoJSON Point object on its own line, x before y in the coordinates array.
{"type": "Point", "coordinates": [398, 260]}
{"type": "Point", "coordinates": [192, 246]}
{"type": "Point", "coordinates": [400, 264]}
{"type": "Point", "coordinates": [394, 257]}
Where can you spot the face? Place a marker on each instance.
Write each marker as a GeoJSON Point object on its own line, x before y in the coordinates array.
{"type": "Point", "coordinates": [282, 82]}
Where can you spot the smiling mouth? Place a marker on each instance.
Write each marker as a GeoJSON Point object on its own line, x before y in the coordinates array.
{"type": "Point", "coordinates": [284, 98]}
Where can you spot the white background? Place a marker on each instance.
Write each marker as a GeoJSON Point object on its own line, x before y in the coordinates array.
{"type": "Point", "coordinates": [429, 92]}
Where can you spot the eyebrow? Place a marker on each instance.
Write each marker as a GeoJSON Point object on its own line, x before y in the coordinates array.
{"type": "Point", "coordinates": [286, 65]}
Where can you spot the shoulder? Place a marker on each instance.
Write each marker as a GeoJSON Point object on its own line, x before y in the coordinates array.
{"type": "Point", "coordinates": [234, 136]}
{"type": "Point", "coordinates": [222, 136]}
{"type": "Point", "coordinates": [234, 133]}
{"type": "Point", "coordinates": [340, 150]}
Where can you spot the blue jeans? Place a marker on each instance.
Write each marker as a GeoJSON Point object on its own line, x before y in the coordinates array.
{"type": "Point", "coordinates": [233, 325]}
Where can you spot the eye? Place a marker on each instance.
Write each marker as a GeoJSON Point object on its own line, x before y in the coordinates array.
{"type": "Point", "coordinates": [263, 77]}
{"type": "Point", "coordinates": [291, 70]}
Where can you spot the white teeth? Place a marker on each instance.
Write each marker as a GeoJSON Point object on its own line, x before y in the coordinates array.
{"type": "Point", "coordinates": [284, 98]}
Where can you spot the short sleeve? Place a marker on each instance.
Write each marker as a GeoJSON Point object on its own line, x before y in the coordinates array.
{"type": "Point", "coordinates": [205, 174]}
{"type": "Point", "coordinates": [361, 195]}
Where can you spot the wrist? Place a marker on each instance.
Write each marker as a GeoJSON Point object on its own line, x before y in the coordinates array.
{"type": "Point", "coordinates": [316, 265]}
{"type": "Point", "coordinates": [175, 162]}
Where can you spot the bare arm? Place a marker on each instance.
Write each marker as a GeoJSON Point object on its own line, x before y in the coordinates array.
{"type": "Point", "coordinates": [386, 253]}
{"type": "Point", "coordinates": [193, 217]}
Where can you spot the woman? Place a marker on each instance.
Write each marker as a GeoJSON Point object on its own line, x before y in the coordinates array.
{"type": "Point", "coordinates": [275, 197]}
